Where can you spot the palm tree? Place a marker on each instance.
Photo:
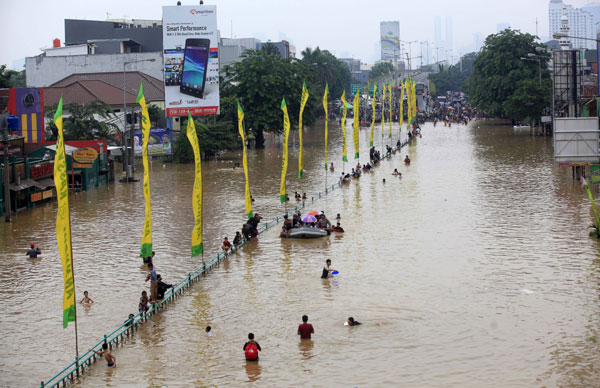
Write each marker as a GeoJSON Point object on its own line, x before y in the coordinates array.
{"type": "Point", "coordinates": [84, 122]}
{"type": "Point", "coordinates": [270, 48]}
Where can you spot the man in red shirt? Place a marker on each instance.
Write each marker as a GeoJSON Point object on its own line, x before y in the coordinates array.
{"type": "Point", "coordinates": [305, 329]}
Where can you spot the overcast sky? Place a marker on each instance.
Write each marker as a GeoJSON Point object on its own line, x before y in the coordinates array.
{"type": "Point", "coordinates": [347, 28]}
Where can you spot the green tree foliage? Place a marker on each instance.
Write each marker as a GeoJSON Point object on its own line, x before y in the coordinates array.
{"type": "Point", "coordinates": [83, 122]}
{"type": "Point", "coordinates": [454, 77]}
{"type": "Point", "coordinates": [498, 84]}
{"type": "Point", "coordinates": [155, 114]}
{"type": "Point", "coordinates": [11, 78]}
{"type": "Point", "coordinates": [269, 48]}
{"type": "Point", "coordinates": [260, 81]}
{"type": "Point", "coordinates": [382, 68]}
{"type": "Point", "coordinates": [432, 88]}
{"type": "Point", "coordinates": [213, 138]}
{"type": "Point", "coordinates": [328, 69]}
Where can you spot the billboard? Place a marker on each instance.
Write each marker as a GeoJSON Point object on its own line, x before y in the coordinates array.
{"type": "Point", "coordinates": [159, 142]}
{"type": "Point", "coordinates": [390, 41]}
{"type": "Point", "coordinates": [576, 140]}
{"type": "Point", "coordinates": [191, 60]}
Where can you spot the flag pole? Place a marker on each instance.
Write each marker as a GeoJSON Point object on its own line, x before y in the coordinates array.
{"type": "Point", "coordinates": [74, 304]}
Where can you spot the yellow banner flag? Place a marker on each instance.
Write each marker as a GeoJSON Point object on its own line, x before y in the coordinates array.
{"type": "Point", "coordinates": [63, 220]}
{"type": "Point", "coordinates": [326, 120]}
{"type": "Point", "coordinates": [355, 127]}
{"type": "Point", "coordinates": [344, 111]}
{"type": "Point", "coordinates": [197, 191]}
{"type": "Point", "coordinates": [382, 112]}
{"type": "Point", "coordinates": [146, 250]}
{"type": "Point", "coordinates": [284, 156]}
{"type": "Point", "coordinates": [408, 105]}
{"type": "Point", "coordinates": [401, 118]}
{"type": "Point", "coordinates": [303, 100]}
{"type": "Point", "coordinates": [414, 100]}
{"type": "Point", "coordinates": [373, 115]}
{"type": "Point", "coordinates": [390, 103]}
{"type": "Point", "coordinates": [247, 195]}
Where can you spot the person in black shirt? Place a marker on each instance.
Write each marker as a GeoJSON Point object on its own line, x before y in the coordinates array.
{"type": "Point", "coordinates": [250, 344]}
{"type": "Point", "coordinates": [352, 322]}
{"type": "Point", "coordinates": [33, 252]}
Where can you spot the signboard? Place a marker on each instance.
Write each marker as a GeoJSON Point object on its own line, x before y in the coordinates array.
{"type": "Point", "coordinates": [47, 194]}
{"type": "Point", "coordinates": [41, 170]}
{"type": "Point", "coordinates": [87, 156]}
{"type": "Point", "coordinates": [159, 142]}
{"type": "Point", "coordinates": [191, 60]}
{"type": "Point", "coordinates": [82, 165]}
{"type": "Point", "coordinates": [576, 140]}
{"type": "Point", "coordinates": [390, 41]}
{"type": "Point", "coordinates": [36, 197]}
{"type": "Point", "coordinates": [355, 88]}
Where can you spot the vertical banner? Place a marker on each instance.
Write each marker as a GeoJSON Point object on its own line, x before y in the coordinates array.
{"type": "Point", "coordinates": [355, 126]}
{"type": "Point", "coordinates": [326, 120]}
{"type": "Point", "coordinates": [373, 115]}
{"type": "Point", "coordinates": [190, 59]}
{"type": "Point", "coordinates": [589, 193]}
{"type": "Point", "coordinates": [382, 111]}
{"type": "Point", "coordinates": [408, 105]}
{"type": "Point", "coordinates": [401, 118]}
{"type": "Point", "coordinates": [414, 99]}
{"type": "Point", "coordinates": [303, 100]}
{"type": "Point", "coordinates": [344, 112]}
{"type": "Point", "coordinates": [247, 196]}
{"type": "Point", "coordinates": [197, 191]}
{"type": "Point", "coordinates": [63, 220]}
{"type": "Point", "coordinates": [390, 103]}
{"type": "Point", "coordinates": [284, 156]}
{"type": "Point", "coordinates": [146, 250]}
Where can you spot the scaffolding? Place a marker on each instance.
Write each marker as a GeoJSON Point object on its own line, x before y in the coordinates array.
{"type": "Point", "coordinates": [567, 83]}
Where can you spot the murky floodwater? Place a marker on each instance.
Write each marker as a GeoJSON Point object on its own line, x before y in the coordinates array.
{"type": "Point", "coordinates": [474, 270]}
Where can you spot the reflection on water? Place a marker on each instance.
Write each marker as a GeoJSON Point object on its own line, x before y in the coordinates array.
{"type": "Point", "coordinates": [434, 265]}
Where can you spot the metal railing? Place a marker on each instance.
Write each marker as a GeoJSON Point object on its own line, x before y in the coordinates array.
{"type": "Point", "coordinates": [127, 328]}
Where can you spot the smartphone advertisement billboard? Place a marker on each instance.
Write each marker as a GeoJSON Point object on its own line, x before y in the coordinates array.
{"type": "Point", "coordinates": [191, 60]}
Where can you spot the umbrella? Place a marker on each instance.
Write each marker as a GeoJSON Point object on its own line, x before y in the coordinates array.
{"type": "Point", "coordinates": [308, 218]}
{"type": "Point", "coordinates": [313, 212]}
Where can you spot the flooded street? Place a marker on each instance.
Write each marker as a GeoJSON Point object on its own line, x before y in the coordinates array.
{"type": "Point", "coordinates": [475, 269]}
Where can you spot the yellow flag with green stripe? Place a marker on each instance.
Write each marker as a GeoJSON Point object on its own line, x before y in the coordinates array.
{"type": "Point", "coordinates": [303, 101]}
{"type": "Point", "coordinates": [146, 250]}
{"type": "Point", "coordinates": [248, 198]}
{"type": "Point", "coordinates": [390, 103]}
{"type": "Point", "coordinates": [382, 112]}
{"type": "Point", "coordinates": [284, 156]}
{"type": "Point", "coordinates": [373, 115]}
{"type": "Point", "coordinates": [197, 191]}
{"type": "Point", "coordinates": [344, 112]}
{"type": "Point", "coordinates": [356, 122]}
{"type": "Point", "coordinates": [401, 118]}
{"type": "Point", "coordinates": [63, 220]}
{"type": "Point", "coordinates": [326, 120]}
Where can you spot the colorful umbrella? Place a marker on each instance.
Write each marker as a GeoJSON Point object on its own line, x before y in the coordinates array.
{"type": "Point", "coordinates": [313, 212]}
{"type": "Point", "coordinates": [308, 218]}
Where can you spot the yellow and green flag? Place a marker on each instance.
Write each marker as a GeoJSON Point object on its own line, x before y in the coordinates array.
{"type": "Point", "coordinates": [284, 156]}
{"type": "Point", "coordinates": [303, 100]}
{"type": "Point", "coordinates": [63, 220]}
{"type": "Point", "coordinates": [355, 124]}
{"type": "Point", "coordinates": [589, 193]}
{"type": "Point", "coordinates": [146, 250]}
{"type": "Point", "coordinates": [373, 115]}
{"type": "Point", "coordinates": [382, 112]}
{"type": "Point", "coordinates": [247, 196]}
{"type": "Point", "coordinates": [401, 118]}
{"type": "Point", "coordinates": [414, 100]}
{"type": "Point", "coordinates": [197, 191]}
{"type": "Point", "coordinates": [326, 120]}
{"type": "Point", "coordinates": [390, 103]}
{"type": "Point", "coordinates": [344, 111]}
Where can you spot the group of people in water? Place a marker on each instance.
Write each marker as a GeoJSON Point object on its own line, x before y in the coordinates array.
{"type": "Point", "coordinates": [318, 220]}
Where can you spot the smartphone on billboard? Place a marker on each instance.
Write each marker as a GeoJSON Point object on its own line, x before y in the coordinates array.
{"type": "Point", "coordinates": [195, 60]}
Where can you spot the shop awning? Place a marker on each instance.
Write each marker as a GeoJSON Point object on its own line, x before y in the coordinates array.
{"type": "Point", "coordinates": [25, 184]}
{"type": "Point", "coordinates": [46, 182]}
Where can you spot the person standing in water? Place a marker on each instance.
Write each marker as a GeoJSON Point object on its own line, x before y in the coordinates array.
{"type": "Point", "coordinates": [33, 252]}
{"type": "Point", "coordinates": [305, 329]}
{"type": "Point", "coordinates": [327, 269]}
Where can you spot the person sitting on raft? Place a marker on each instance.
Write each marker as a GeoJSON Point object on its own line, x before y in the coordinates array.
{"type": "Point", "coordinates": [287, 226]}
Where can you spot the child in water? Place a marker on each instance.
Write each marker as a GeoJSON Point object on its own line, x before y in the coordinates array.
{"type": "Point", "coordinates": [86, 299]}
{"type": "Point", "coordinates": [110, 359]}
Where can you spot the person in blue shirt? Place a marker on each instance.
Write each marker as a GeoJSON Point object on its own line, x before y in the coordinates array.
{"type": "Point", "coordinates": [33, 252]}
{"type": "Point", "coordinates": [153, 277]}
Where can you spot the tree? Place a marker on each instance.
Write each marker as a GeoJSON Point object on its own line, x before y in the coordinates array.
{"type": "Point", "coordinates": [498, 74]}
{"type": "Point", "coordinates": [81, 123]}
{"type": "Point", "coordinates": [155, 114]}
{"type": "Point", "coordinates": [382, 68]}
{"type": "Point", "coordinates": [529, 100]}
{"type": "Point", "coordinates": [11, 78]}
{"type": "Point", "coordinates": [327, 69]}
{"type": "Point", "coordinates": [454, 77]}
{"type": "Point", "coordinates": [270, 48]}
{"type": "Point", "coordinates": [212, 138]}
{"type": "Point", "coordinates": [260, 81]}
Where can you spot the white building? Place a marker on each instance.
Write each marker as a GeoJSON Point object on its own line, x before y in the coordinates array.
{"type": "Point", "coordinates": [581, 24]}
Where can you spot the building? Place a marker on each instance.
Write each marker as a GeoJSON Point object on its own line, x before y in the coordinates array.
{"type": "Point", "coordinates": [231, 50]}
{"type": "Point", "coordinates": [443, 43]}
{"type": "Point", "coordinates": [581, 24]}
{"type": "Point", "coordinates": [93, 46]}
{"type": "Point", "coordinates": [286, 50]}
{"type": "Point", "coordinates": [594, 10]}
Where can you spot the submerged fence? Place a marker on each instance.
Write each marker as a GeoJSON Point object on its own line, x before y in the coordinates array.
{"type": "Point", "coordinates": [128, 328]}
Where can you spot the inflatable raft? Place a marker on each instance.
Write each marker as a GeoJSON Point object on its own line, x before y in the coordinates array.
{"type": "Point", "coordinates": [306, 232]}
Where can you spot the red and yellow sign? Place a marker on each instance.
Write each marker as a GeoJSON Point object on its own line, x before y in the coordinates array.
{"type": "Point", "coordinates": [86, 156]}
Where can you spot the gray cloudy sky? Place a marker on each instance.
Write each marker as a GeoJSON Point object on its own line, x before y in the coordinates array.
{"type": "Point", "coordinates": [348, 28]}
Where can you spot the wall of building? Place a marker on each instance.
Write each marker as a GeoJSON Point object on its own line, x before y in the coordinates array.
{"type": "Point", "coordinates": [80, 31]}
{"type": "Point", "coordinates": [581, 23]}
{"type": "Point", "coordinates": [44, 71]}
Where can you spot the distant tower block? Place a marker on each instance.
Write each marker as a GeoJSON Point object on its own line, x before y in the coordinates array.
{"type": "Point", "coordinates": [564, 30]}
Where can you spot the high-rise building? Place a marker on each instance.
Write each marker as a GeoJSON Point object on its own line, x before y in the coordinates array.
{"type": "Point", "coordinates": [444, 46]}
{"type": "Point", "coordinates": [580, 22]}
{"type": "Point", "coordinates": [594, 10]}
{"type": "Point", "coordinates": [449, 38]}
